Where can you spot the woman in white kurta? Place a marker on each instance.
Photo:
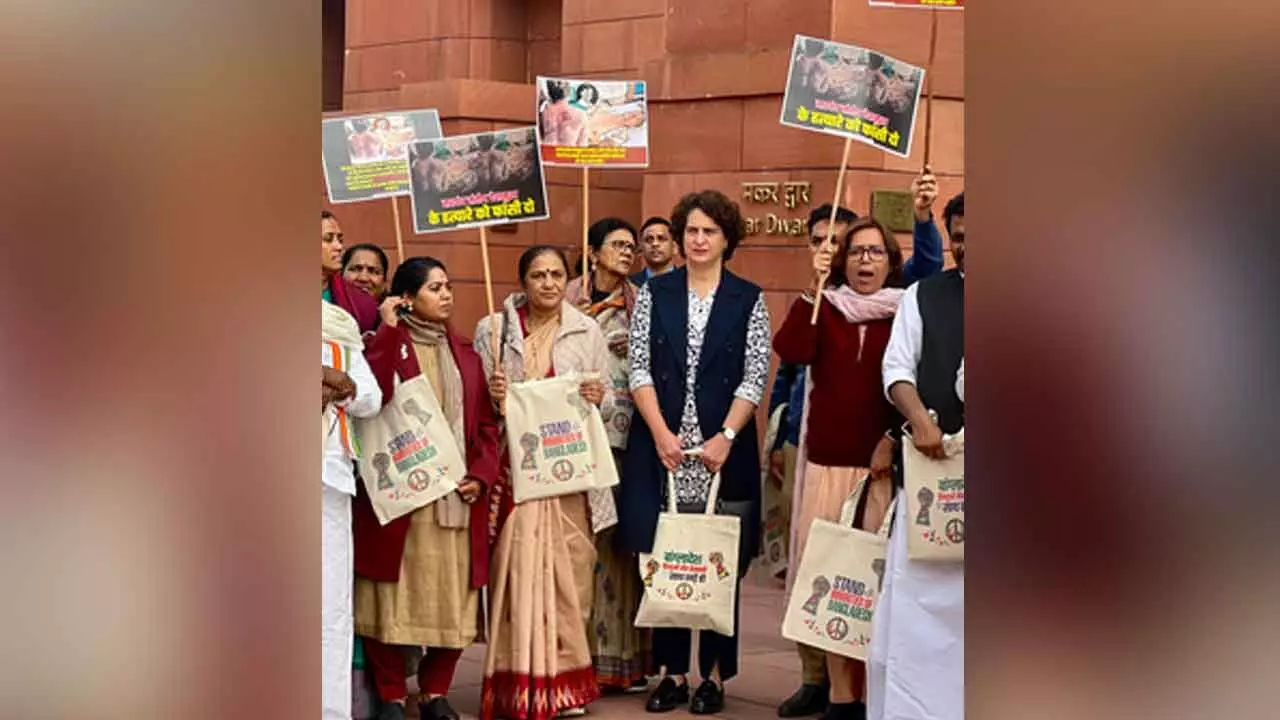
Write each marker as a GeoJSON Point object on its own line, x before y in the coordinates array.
{"type": "Point", "coordinates": [348, 389]}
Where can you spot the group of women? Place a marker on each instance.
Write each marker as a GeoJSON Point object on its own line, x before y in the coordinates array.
{"type": "Point", "coordinates": [681, 364]}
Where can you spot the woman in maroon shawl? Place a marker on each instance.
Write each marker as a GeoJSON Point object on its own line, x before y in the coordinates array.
{"type": "Point", "coordinates": [333, 287]}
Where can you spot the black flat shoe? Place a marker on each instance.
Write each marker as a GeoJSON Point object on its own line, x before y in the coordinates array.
{"type": "Point", "coordinates": [391, 711]}
{"type": "Point", "coordinates": [808, 700]}
{"type": "Point", "coordinates": [856, 710]}
{"type": "Point", "coordinates": [708, 700]}
{"type": "Point", "coordinates": [437, 709]}
{"type": "Point", "coordinates": [667, 696]}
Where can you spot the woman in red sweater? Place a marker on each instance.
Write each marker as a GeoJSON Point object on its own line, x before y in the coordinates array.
{"type": "Point", "coordinates": [418, 578]}
{"type": "Point", "coordinates": [849, 418]}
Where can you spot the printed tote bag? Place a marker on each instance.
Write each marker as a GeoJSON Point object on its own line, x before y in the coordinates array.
{"type": "Point", "coordinates": [776, 518]}
{"type": "Point", "coordinates": [837, 583]}
{"type": "Point", "coordinates": [556, 440]}
{"type": "Point", "coordinates": [935, 501]}
{"type": "Point", "coordinates": [409, 457]}
{"type": "Point", "coordinates": [691, 577]}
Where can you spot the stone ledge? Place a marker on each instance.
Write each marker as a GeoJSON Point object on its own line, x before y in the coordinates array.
{"type": "Point", "coordinates": [716, 75]}
{"type": "Point", "coordinates": [750, 73]}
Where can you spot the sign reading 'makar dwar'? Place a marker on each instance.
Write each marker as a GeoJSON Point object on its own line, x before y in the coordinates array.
{"type": "Point", "coordinates": [789, 195]}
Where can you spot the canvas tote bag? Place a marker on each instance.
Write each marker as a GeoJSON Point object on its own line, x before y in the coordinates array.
{"type": "Point", "coordinates": [691, 577]}
{"type": "Point", "coordinates": [409, 457]}
{"type": "Point", "coordinates": [838, 582]}
{"type": "Point", "coordinates": [556, 440]}
{"type": "Point", "coordinates": [935, 501]}
{"type": "Point", "coordinates": [776, 518]}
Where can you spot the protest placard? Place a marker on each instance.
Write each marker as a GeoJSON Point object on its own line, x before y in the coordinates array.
{"type": "Point", "coordinates": [364, 155]}
{"type": "Point", "coordinates": [593, 123]}
{"type": "Point", "coordinates": [926, 4]}
{"type": "Point", "coordinates": [477, 180]}
{"type": "Point", "coordinates": [852, 92]}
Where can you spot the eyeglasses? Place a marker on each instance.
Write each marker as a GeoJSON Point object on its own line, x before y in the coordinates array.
{"type": "Point", "coordinates": [622, 245]}
{"type": "Point", "coordinates": [875, 252]}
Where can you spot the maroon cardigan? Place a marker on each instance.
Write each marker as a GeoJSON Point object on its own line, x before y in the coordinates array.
{"type": "Point", "coordinates": [379, 548]}
{"type": "Point", "coordinates": [848, 413]}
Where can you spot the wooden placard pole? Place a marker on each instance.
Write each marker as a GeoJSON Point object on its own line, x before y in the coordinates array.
{"type": "Point", "coordinates": [928, 86]}
{"type": "Point", "coordinates": [831, 225]}
{"type": "Point", "coordinates": [395, 221]}
{"type": "Point", "coordinates": [586, 229]}
{"type": "Point", "coordinates": [488, 293]}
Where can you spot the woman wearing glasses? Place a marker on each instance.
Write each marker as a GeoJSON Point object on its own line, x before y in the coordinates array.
{"type": "Point", "coordinates": [849, 419]}
{"type": "Point", "coordinates": [618, 649]}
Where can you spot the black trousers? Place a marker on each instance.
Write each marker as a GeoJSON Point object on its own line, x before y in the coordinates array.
{"type": "Point", "coordinates": [673, 648]}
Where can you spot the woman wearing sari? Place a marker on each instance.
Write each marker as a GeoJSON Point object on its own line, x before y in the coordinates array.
{"type": "Point", "coordinates": [620, 651]}
{"type": "Point", "coordinates": [538, 662]}
{"type": "Point", "coordinates": [850, 422]}
{"type": "Point", "coordinates": [418, 577]}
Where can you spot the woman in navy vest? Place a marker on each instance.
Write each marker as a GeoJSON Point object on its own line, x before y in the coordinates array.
{"type": "Point", "coordinates": [699, 361]}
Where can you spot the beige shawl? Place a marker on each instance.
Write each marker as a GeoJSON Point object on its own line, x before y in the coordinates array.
{"type": "Point", "coordinates": [436, 361]}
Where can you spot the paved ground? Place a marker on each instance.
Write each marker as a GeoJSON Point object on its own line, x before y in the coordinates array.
{"type": "Point", "coordinates": [769, 671]}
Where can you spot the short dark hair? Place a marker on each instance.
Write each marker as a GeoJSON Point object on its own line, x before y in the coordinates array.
{"type": "Point", "coordinates": [955, 206]}
{"type": "Point", "coordinates": [412, 275]}
{"type": "Point", "coordinates": [595, 94]}
{"type": "Point", "coordinates": [722, 211]}
{"type": "Point", "coordinates": [533, 253]}
{"type": "Point", "coordinates": [844, 215]}
{"type": "Point", "coordinates": [600, 230]}
{"type": "Point", "coordinates": [841, 257]}
{"type": "Point", "coordinates": [326, 215]}
{"type": "Point", "coordinates": [555, 91]}
{"type": "Point", "coordinates": [655, 220]}
{"type": "Point", "coordinates": [382, 255]}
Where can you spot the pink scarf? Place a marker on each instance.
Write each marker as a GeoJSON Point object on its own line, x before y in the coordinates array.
{"type": "Point", "coordinates": [879, 305]}
{"type": "Point", "coordinates": [857, 308]}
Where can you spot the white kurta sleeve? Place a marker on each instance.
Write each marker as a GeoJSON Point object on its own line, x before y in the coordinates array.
{"type": "Point", "coordinates": [902, 356]}
{"type": "Point", "coordinates": [368, 398]}
{"type": "Point", "coordinates": [960, 381]}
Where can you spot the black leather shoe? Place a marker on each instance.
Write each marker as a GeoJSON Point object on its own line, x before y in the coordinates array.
{"type": "Point", "coordinates": [708, 700]}
{"type": "Point", "coordinates": [437, 709]}
{"type": "Point", "coordinates": [667, 696]}
{"type": "Point", "coordinates": [808, 700]}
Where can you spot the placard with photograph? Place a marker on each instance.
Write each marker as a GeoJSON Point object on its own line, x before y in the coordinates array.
{"type": "Point", "coordinates": [364, 155]}
{"type": "Point", "coordinates": [479, 179]}
{"type": "Point", "coordinates": [852, 92]}
{"type": "Point", "coordinates": [593, 123]}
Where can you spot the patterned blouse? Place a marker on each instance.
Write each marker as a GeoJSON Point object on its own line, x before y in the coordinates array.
{"type": "Point", "coordinates": [693, 480]}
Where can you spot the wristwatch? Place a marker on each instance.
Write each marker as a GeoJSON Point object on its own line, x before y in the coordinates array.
{"type": "Point", "coordinates": [729, 433]}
